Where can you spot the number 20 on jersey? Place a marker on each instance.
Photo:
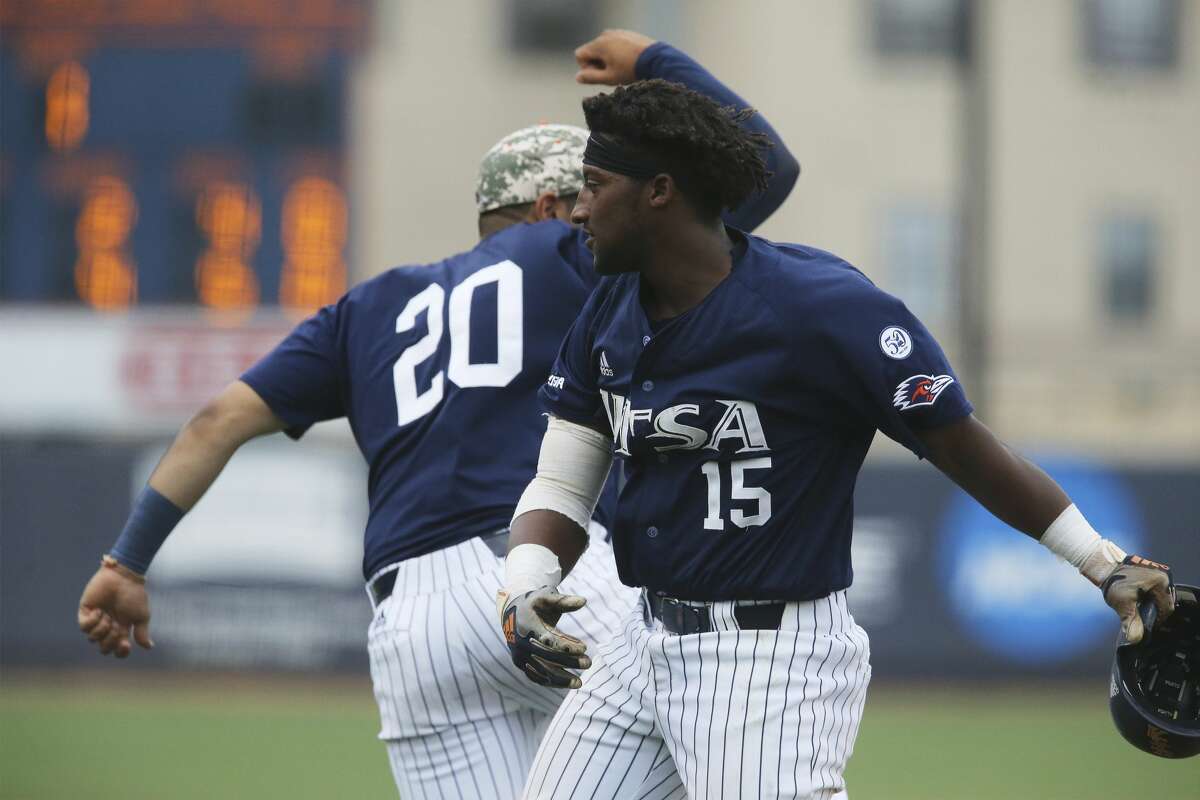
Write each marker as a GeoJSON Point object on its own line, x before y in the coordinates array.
{"type": "Point", "coordinates": [411, 404]}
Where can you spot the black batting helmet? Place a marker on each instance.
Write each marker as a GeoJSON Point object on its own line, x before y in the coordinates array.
{"type": "Point", "coordinates": [1155, 691]}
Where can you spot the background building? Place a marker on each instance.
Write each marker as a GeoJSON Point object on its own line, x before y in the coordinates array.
{"type": "Point", "coordinates": [1061, 132]}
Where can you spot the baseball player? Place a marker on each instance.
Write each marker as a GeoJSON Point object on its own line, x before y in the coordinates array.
{"type": "Point", "coordinates": [436, 368]}
{"type": "Point", "coordinates": [740, 382]}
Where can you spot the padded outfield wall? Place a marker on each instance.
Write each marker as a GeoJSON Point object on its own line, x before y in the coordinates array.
{"type": "Point", "coordinates": [265, 573]}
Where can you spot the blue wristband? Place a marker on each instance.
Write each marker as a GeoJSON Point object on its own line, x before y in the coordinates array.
{"type": "Point", "coordinates": [153, 517]}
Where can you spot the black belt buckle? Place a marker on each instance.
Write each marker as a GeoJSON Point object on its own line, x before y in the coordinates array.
{"type": "Point", "coordinates": [381, 587]}
{"type": "Point", "coordinates": [682, 619]}
{"type": "Point", "coordinates": [766, 617]}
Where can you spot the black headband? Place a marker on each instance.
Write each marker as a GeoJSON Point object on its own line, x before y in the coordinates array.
{"type": "Point", "coordinates": [608, 153]}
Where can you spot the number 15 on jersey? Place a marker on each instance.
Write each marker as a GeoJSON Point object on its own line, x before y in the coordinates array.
{"type": "Point", "coordinates": [738, 490]}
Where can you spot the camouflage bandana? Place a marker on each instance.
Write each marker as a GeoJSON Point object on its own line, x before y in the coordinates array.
{"type": "Point", "coordinates": [524, 164]}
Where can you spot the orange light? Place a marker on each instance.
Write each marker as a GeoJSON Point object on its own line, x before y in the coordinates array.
{"type": "Point", "coordinates": [105, 276]}
{"type": "Point", "coordinates": [67, 115]}
{"type": "Point", "coordinates": [230, 216]}
{"type": "Point", "coordinates": [313, 230]}
{"type": "Point", "coordinates": [106, 280]}
{"type": "Point", "coordinates": [108, 215]}
{"type": "Point", "coordinates": [305, 289]}
{"type": "Point", "coordinates": [225, 283]}
{"type": "Point", "coordinates": [314, 215]}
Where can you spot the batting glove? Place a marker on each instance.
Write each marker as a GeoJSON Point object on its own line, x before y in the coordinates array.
{"type": "Point", "coordinates": [538, 648]}
{"type": "Point", "coordinates": [1129, 583]}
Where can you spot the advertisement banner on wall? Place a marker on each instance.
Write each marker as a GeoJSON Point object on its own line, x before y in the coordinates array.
{"type": "Point", "coordinates": [265, 572]}
{"type": "Point", "coordinates": [143, 373]}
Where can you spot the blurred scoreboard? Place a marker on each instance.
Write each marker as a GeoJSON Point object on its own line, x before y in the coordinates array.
{"type": "Point", "coordinates": [175, 151]}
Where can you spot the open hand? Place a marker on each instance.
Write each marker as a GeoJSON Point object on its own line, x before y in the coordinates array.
{"type": "Point", "coordinates": [539, 649]}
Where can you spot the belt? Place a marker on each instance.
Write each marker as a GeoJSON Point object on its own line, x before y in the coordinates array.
{"type": "Point", "coordinates": [381, 587]}
{"type": "Point", "coordinates": [684, 618]}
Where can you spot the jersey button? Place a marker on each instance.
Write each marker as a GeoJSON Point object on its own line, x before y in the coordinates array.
{"type": "Point", "coordinates": [645, 341]}
{"type": "Point", "coordinates": [662, 458]}
{"type": "Point", "coordinates": [652, 531]}
{"type": "Point", "coordinates": [647, 386]}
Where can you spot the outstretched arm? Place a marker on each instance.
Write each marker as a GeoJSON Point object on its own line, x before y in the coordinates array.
{"type": "Point", "coordinates": [1014, 489]}
{"type": "Point", "coordinates": [208, 440]}
{"type": "Point", "coordinates": [1025, 497]}
{"type": "Point", "coordinates": [617, 57]}
{"type": "Point", "coordinates": [114, 600]}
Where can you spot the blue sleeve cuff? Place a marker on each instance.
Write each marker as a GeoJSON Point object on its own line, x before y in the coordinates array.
{"type": "Point", "coordinates": [648, 64]}
{"type": "Point", "coordinates": [151, 520]}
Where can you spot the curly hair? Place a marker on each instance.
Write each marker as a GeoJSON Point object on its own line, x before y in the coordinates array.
{"type": "Point", "coordinates": [715, 161]}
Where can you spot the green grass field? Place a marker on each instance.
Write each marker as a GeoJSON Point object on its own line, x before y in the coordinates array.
{"type": "Point", "coordinates": [92, 735]}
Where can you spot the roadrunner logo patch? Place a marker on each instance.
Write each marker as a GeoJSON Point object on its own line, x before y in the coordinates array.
{"type": "Point", "coordinates": [920, 390]}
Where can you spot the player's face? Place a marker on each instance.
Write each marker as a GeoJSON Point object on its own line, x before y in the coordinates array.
{"type": "Point", "coordinates": [607, 209]}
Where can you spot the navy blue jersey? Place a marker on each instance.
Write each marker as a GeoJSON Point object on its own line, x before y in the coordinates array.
{"type": "Point", "coordinates": [437, 367]}
{"type": "Point", "coordinates": [743, 422]}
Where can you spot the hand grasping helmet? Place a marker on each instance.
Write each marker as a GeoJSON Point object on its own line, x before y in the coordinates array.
{"type": "Point", "coordinates": [1155, 691]}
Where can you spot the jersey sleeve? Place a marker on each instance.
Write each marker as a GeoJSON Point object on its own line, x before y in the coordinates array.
{"type": "Point", "coordinates": [661, 60]}
{"type": "Point", "coordinates": [894, 373]}
{"type": "Point", "coordinates": [571, 391]}
{"type": "Point", "coordinates": [301, 380]}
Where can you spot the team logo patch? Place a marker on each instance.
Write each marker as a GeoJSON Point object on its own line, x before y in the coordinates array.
{"type": "Point", "coordinates": [920, 390]}
{"type": "Point", "coordinates": [895, 342]}
{"type": "Point", "coordinates": [605, 369]}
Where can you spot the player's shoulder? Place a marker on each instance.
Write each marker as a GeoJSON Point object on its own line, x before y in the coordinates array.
{"type": "Point", "coordinates": [539, 248]}
{"type": "Point", "coordinates": [524, 234]}
{"type": "Point", "coordinates": [801, 277]}
{"type": "Point", "coordinates": [407, 279]}
{"type": "Point", "coordinates": [550, 249]}
{"type": "Point", "coordinates": [794, 266]}
{"type": "Point", "coordinates": [536, 243]}
{"type": "Point", "coordinates": [395, 283]}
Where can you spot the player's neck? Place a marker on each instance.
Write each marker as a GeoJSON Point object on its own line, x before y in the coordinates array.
{"type": "Point", "coordinates": [685, 266]}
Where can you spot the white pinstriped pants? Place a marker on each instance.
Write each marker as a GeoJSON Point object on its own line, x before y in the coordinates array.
{"type": "Point", "coordinates": [459, 720]}
{"type": "Point", "coordinates": [731, 713]}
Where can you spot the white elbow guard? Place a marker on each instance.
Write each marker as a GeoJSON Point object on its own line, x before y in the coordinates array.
{"type": "Point", "coordinates": [572, 466]}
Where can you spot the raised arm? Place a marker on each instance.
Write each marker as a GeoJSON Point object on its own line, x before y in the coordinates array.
{"type": "Point", "coordinates": [1025, 497]}
{"type": "Point", "coordinates": [114, 600]}
{"type": "Point", "coordinates": [618, 57]}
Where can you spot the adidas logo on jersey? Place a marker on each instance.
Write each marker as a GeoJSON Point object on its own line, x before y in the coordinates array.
{"type": "Point", "coordinates": [605, 369]}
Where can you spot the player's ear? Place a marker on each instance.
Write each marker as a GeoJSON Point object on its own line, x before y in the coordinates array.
{"type": "Point", "coordinates": [661, 189]}
{"type": "Point", "coordinates": [546, 207]}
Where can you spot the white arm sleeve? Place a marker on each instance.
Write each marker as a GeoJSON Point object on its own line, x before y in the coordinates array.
{"type": "Point", "coordinates": [572, 466]}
